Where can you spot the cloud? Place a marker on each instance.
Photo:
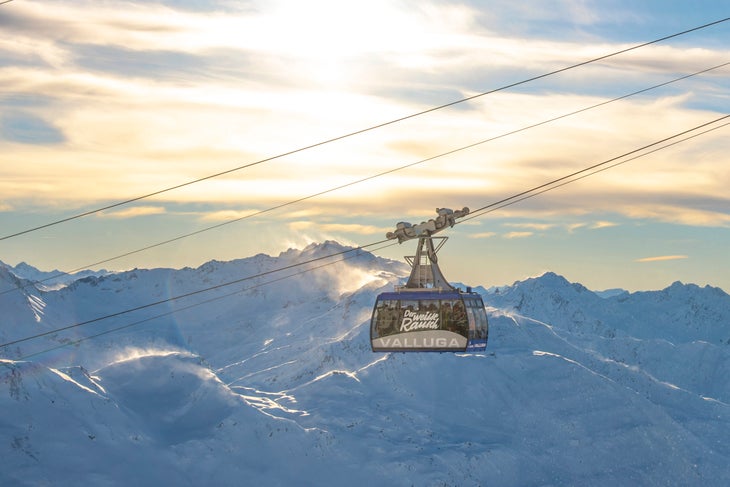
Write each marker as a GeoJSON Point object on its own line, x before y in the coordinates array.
{"type": "Point", "coordinates": [133, 212]}
{"type": "Point", "coordinates": [338, 227]}
{"type": "Point", "coordinates": [597, 225]}
{"type": "Point", "coordinates": [354, 228]}
{"type": "Point", "coordinates": [312, 212]}
{"type": "Point", "coordinates": [482, 235]}
{"type": "Point", "coordinates": [227, 215]}
{"type": "Point", "coordinates": [222, 90]}
{"type": "Point", "coordinates": [602, 224]}
{"type": "Point", "coordinates": [518, 234]}
{"type": "Point", "coordinates": [531, 226]}
{"type": "Point", "coordinates": [692, 214]}
{"type": "Point", "coordinates": [662, 258]}
{"type": "Point", "coordinates": [575, 226]}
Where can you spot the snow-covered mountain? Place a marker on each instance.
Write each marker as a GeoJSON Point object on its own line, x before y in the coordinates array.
{"type": "Point", "coordinates": [272, 382]}
{"type": "Point", "coordinates": [48, 279]}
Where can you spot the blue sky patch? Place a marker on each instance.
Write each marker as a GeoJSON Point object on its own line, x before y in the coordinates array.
{"type": "Point", "coordinates": [28, 129]}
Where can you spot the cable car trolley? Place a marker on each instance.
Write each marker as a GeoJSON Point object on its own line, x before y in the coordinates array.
{"type": "Point", "coordinates": [428, 313]}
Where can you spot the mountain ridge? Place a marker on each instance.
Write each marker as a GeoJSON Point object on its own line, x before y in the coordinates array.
{"type": "Point", "coordinates": [275, 384]}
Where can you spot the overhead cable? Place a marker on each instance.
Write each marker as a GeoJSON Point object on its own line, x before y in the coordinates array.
{"type": "Point", "coordinates": [190, 306]}
{"type": "Point", "coordinates": [640, 149]}
{"type": "Point", "coordinates": [236, 281]}
{"type": "Point", "coordinates": [368, 178]}
{"type": "Point", "coordinates": [186, 295]}
{"type": "Point", "coordinates": [361, 131]}
{"type": "Point", "coordinates": [563, 181]}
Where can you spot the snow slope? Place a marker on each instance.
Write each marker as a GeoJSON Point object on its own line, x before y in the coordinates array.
{"type": "Point", "coordinates": [276, 384]}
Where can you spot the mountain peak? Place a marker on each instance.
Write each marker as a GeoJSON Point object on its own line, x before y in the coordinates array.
{"type": "Point", "coordinates": [550, 280]}
{"type": "Point", "coordinates": [552, 277]}
{"type": "Point", "coordinates": [317, 250]}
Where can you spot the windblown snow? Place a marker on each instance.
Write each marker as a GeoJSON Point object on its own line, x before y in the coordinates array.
{"type": "Point", "coordinates": [272, 381]}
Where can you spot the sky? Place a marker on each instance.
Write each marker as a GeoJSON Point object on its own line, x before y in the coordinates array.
{"type": "Point", "coordinates": [101, 102]}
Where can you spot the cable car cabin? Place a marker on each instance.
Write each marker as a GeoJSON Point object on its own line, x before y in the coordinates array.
{"type": "Point", "coordinates": [428, 313]}
{"type": "Point", "coordinates": [435, 320]}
